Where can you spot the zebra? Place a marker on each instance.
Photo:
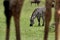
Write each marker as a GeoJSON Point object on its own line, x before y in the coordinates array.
{"type": "Point", "coordinates": [37, 13]}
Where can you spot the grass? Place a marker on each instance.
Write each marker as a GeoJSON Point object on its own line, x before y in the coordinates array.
{"type": "Point", "coordinates": [27, 32]}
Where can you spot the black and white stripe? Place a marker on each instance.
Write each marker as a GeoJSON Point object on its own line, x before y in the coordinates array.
{"type": "Point", "coordinates": [37, 13]}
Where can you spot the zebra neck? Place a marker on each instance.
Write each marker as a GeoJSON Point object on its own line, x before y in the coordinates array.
{"type": "Point", "coordinates": [33, 17]}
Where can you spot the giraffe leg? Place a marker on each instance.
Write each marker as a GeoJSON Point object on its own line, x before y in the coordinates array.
{"type": "Point", "coordinates": [8, 27]}
{"type": "Point", "coordinates": [8, 18]}
{"type": "Point", "coordinates": [47, 21]}
{"type": "Point", "coordinates": [17, 27]}
{"type": "Point", "coordinates": [57, 20]}
{"type": "Point", "coordinates": [56, 26]}
{"type": "Point", "coordinates": [47, 18]}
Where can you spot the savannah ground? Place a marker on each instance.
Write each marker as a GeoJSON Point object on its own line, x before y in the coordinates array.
{"type": "Point", "coordinates": [27, 33]}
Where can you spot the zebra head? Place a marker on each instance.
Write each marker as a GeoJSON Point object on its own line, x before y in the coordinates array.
{"type": "Point", "coordinates": [31, 22]}
{"type": "Point", "coordinates": [33, 16]}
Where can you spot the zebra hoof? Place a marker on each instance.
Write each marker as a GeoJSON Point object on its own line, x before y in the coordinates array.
{"type": "Point", "coordinates": [43, 25]}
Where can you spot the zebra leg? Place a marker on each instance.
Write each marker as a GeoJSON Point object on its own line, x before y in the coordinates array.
{"type": "Point", "coordinates": [31, 3]}
{"type": "Point", "coordinates": [8, 19]}
{"type": "Point", "coordinates": [16, 15]}
{"type": "Point", "coordinates": [38, 18]}
{"type": "Point", "coordinates": [43, 20]}
{"type": "Point", "coordinates": [38, 4]}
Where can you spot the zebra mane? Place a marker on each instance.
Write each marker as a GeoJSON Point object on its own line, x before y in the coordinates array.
{"type": "Point", "coordinates": [33, 16]}
{"type": "Point", "coordinates": [34, 11]}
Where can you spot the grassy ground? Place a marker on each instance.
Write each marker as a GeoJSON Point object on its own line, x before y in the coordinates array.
{"type": "Point", "coordinates": [27, 32]}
